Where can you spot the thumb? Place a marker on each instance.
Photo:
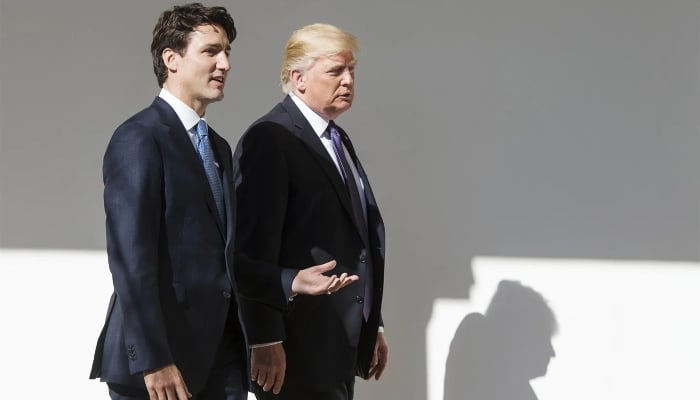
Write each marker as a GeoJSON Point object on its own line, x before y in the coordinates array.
{"type": "Point", "coordinates": [324, 267]}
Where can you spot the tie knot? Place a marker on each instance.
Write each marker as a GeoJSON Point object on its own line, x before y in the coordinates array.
{"type": "Point", "coordinates": [201, 128]}
{"type": "Point", "coordinates": [333, 130]}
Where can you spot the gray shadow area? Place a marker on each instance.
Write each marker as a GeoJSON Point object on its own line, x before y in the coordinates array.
{"type": "Point", "coordinates": [494, 355]}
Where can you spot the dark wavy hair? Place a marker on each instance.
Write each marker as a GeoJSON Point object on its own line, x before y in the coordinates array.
{"type": "Point", "coordinates": [174, 27]}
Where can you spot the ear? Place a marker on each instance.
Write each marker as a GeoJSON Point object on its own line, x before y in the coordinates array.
{"type": "Point", "coordinates": [299, 80]}
{"type": "Point", "coordinates": [170, 59]}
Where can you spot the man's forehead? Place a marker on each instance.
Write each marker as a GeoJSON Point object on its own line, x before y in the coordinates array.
{"type": "Point", "coordinates": [204, 28]}
{"type": "Point", "coordinates": [340, 58]}
{"type": "Point", "coordinates": [203, 32]}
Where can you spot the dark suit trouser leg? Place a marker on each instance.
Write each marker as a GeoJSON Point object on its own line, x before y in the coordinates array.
{"type": "Point", "coordinates": [343, 391]}
{"type": "Point", "coordinates": [227, 378]}
{"type": "Point", "coordinates": [224, 383]}
{"type": "Point", "coordinates": [121, 392]}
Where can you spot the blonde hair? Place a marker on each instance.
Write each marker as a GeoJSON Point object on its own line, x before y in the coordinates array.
{"type": "Point", "coordinates": [308, 44]}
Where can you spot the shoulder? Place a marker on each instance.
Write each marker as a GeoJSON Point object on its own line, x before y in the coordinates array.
{"type": "Point", "coordinates": [277, 123]}
{"type": "Point", "coordinates": [277, 115]}
{"type": "Point", "coordinates": [144, 123]}
{"type": "Point", "coordinates": [138, 135]}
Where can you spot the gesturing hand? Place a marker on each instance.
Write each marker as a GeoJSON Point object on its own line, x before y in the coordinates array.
{"type": "Point", "coordinates": [311, 280]}
{"type": "Point", "coordinates": [166, 383]}
{"type": "Point", "coordinates": [267, 366]}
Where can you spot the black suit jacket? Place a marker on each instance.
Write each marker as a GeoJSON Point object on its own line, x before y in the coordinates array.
{"type": "Point", "coordinates": [169, 254]}
{"type": "Point", "coordinates": [294, 211]}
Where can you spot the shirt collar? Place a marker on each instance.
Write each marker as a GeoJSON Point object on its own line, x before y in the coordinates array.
{"type": "Point", "coordinates": [185, 113]}
{"type": "Point", "coordinates": [317, 122]}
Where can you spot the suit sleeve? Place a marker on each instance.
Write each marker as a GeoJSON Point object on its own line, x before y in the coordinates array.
{"type": "Point", "coordinates": [133, 201]}
{"type": "Point", "coordinates": [261, 199]}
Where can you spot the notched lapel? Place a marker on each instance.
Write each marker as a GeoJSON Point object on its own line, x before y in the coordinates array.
{"type": "Point", "coordinates": [217, 147]}
{"type": "Point", "coordinates": [182, 142]}
{"type": "Point", "coordinates": [303, 130]}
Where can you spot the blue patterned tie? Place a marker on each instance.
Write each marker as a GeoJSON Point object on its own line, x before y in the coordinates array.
{"type": "Point", "coordinates": [207, 157]}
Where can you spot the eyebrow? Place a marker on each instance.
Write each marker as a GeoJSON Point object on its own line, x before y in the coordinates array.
{"type": "Point", "coordinates": [216, 46]}
{"type": "Point", "coordinates": [334, 65]}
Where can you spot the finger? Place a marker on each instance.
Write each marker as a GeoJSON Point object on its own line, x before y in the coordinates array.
{"type": "Point", "coordinates": [341, 280]}
{"type": "Point", "coordinates": [371, 372]}
{"type": "Point", "coordinates": [161, 395]}
{"type": "Point", "coordinates": [348, 280]}
{"type": "Point", "coordinates": [334, 282]}
{"type": "Point", "coordinates": [269, 382]}
{"type": "Point", "coordinates": [381, 366]}
{"type": "Point", "coordinates": [382, 359]}
{"type": "Point", "coordinates": [278, 383]}
{"type": "Point", "coordinates": [379, 370]}
{"type": "Point", "coordinates": [152, 395]}
{"type": "Point", "coordinates": [262, 377]}
{"type": "Point", "coordinates": [171, 393]}
{"type": "Point", "coordinates": [254, 372]}
{"type": "Point", "coordinates": [182, 392]}
{"type": "Point", "coordinates": [373, 364]}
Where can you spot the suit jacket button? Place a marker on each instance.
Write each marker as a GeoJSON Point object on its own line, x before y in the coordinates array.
{"type": "Point", "coordinates": [360, 299]}
{"type": "Point", "coordinates": [226, 294]}
{"type": "Point", "coordinates": [363, 259]}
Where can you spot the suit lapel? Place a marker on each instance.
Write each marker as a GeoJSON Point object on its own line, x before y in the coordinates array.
{"type": "Point", "coordinates": [218, 149]}
{"type": "Point", "coordinates": [183, 143]}
{"type": "Point", "coordinates": [367, 190]}
{"type": "Point", "coordinates": [305, 132]}
{"type": "Point", "coordinates": [374, 218]}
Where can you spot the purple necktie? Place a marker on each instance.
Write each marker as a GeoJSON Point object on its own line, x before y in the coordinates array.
{"type": "Point", "coordinates": [357, 210]}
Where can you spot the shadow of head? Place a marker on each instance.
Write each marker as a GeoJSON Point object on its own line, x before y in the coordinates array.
{"type": "Point", "coordinates": [522, 325]}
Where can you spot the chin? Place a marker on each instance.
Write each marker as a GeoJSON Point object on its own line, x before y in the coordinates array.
{"type": "Point", "coordinates": [216, 96]}
{"type": "Point", "coordinates": [342, 108]}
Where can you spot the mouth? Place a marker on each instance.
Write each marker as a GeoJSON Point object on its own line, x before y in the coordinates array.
{"type": "Point", "coordinates": [219, 79]}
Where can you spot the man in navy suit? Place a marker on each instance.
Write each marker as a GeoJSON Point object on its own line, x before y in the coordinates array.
{"type": "Point", "coordinates": [302, 198]}
{"type": "Point", "coordinates": [172, 330]}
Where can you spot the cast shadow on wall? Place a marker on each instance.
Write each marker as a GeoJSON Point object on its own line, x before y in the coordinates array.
{"type": "Point", "coordinates": [494, 355]}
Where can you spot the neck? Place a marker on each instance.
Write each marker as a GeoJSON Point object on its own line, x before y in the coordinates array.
{"type": "Point", "coordinates": [197, 105]}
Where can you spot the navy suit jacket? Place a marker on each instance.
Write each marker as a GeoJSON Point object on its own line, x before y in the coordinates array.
{"type": "Point", "coordinates": [294, 211]}
{"type": "Point", "coordinates": [169, 254]}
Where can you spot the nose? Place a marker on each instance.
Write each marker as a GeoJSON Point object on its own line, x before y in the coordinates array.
{"type": "Point", "coordinates": [223, 62]}
{"type": "Point", "coordinates": [348, 78]}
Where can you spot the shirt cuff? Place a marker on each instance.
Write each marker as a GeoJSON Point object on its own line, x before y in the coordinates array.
{"type": "Point", "coordinates": [255, 346]}
{"type": "Point", "coordinates": [381, 329]}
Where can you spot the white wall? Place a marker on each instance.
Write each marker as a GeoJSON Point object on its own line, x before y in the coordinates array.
{"type": "Point", "coordinates": [53, 305]}
{"type": "Point", "coordinates": [627, 329]}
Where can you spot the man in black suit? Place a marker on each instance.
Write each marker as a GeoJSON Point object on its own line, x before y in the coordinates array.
{"type": "Point", "coordinates": [172, 330]}
{"type": "Point", "coordinates": [303, 198]}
